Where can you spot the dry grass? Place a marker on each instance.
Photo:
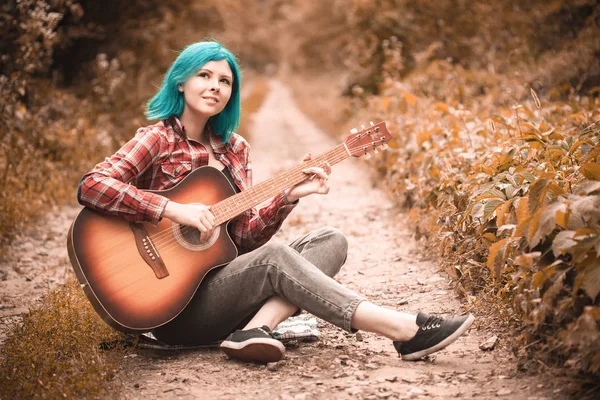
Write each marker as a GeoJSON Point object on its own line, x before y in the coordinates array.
{"type": "Point", "coordinates": [55, 351]}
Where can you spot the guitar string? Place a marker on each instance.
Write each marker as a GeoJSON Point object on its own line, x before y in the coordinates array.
{"type": "Point", "coordinates": [248, 195]}
{"type": "Point", "coordinates": [268, 192]}
{"type": "Point", "coordinates": [163, 246]}
{"type": "Point", "coordinates": [172, 242]}
{"type": "Point", "coordinates": [167, 245]}
{"type": "Point", "coordinates": [241, 206]}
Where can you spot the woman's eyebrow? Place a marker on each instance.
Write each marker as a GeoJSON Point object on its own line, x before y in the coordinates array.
{"type": "Point", "coordinates": [212, 72]}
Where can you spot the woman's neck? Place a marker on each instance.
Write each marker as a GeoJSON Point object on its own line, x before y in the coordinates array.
{"type": "Point", "coordinates": [194, 125]}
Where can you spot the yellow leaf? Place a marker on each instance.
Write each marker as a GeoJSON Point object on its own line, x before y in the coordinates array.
{"type": "Point", "coordinates": [410, 98]}
{"type": "Point", "coordinates": [441, 106]}
{"type": "Point", "coordinates": [592, 155]}
{"type": "Point", "coordinates": [502, 211]}
{"type": "Point", "coordinates": [561, 219]}
{"type": "Point", "coordinates": [385, 102]}
{"type": "Point", "coordinates": [523, 209]}
{"type": "Point", "coordinates": [537, 193]}
{"type": "Point", "coordinates": [590, 171]}
{"type": "Point", "coordinates": [423, 137]}
{"type": "Point", "coordinates": [586, 232]}
{"type": "Point", "coordinates": [497, 257]}
{"type": "Point", "coordinates": [489, 238]}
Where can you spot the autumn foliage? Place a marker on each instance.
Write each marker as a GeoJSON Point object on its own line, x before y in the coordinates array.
{"type": "Point", "coordinates": [494, 107]}
{"type": "Point", "coordinates": [498, 164]}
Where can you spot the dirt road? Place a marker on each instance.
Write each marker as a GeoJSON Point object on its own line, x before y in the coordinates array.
{"type": "Point", "coordinates": [385, 264]}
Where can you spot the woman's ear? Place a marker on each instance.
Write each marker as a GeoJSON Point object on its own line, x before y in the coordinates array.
{"type": "Point", "coordinates": [180, 87]}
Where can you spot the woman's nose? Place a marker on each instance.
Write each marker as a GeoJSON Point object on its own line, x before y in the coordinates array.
{"type": "Point", "coordinates": [215, 87]}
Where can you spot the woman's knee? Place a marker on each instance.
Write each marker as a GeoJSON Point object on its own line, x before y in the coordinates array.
{"type": "Point", "coordinates": [336, 243]}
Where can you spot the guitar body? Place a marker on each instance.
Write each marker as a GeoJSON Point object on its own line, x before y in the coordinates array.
{"type": "Point", "coordinates": [113, 261]}
{"type": "Point", "coordinates": [139, 276]}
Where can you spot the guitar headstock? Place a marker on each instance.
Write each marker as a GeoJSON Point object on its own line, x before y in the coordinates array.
{"type": "Point", "coordinates": [367, 140]}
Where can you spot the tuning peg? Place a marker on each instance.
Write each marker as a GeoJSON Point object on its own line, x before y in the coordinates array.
{"type": "Point", "coordinates": [376, 151]}
{"type": "Point", "coordinates": [371, 122]}
{"type": "Point", "coordinates": [383, 146]}
{"type": "Point", "coordinates": [367, 156]}
{"type": "Point", "coordinates": [353, 130]}
{"type": "Point", "coordinates": [362, 127]}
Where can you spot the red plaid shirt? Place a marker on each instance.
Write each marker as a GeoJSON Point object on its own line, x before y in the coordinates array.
{"type": "Point", "coordinates": [159, 157]}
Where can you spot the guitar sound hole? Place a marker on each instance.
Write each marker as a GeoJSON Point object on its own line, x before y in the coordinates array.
{"type": "Point", "coordinates": [191, 235]}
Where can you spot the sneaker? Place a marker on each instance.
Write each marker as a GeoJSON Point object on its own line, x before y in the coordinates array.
{"type": "Point", "coordinates": [257, 345]}
{"type": "Point", "coordinates": [434, 334]}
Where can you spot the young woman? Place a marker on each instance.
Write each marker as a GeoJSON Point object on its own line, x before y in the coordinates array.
{"type": "Point", "coordinates": [198, 108]}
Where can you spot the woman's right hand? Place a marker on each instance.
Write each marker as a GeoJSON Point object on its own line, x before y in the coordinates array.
{"type": "Point", "coordinates": [197, 216]}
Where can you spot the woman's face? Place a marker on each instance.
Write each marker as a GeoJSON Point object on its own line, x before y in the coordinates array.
{"type": "Point", "coordinates": [208, 92]}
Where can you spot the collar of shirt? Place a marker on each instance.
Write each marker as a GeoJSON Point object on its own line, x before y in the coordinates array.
{"type": "Point", "coordinates": [216, 142]}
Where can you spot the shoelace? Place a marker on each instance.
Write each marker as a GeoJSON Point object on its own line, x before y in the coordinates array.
{"type": "Point", "coordinates": [432, 322]}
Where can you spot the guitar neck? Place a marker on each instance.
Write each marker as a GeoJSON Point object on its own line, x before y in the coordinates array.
{"type": "Point", "coordinates": [245, 200]}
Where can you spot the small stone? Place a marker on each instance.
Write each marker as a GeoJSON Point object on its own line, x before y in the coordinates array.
{"type": "Point", "coordinates": [402, 302]}
{"type": "Point", "coordinates": [504, 392]}
{"type": "Point", "coordinates": [489, 344]}
{"type": "Point", "coordinates": [415, 391]}
{"type": "Point", "coordinates": [273, 366]}
{"type": "Point", "coordinates": [137, 386]}
{"type": "Point", "coordinates": [359, 337]}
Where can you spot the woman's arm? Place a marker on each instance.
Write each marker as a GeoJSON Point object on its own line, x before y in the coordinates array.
{"type": "Point", "coordinates": [108, 187]}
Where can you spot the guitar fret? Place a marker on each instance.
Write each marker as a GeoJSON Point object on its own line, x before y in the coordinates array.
{"type": "Point", "coordinates": [251, 197]}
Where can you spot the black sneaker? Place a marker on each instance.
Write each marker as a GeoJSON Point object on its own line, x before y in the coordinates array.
{"type": "Point", "coordinates": [257, 345]}
{"type": "Point", "coordinates": [434, 334]}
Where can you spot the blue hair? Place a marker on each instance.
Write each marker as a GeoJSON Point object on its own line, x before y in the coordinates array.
{"type": "Point", "coordinates": [169, 101]}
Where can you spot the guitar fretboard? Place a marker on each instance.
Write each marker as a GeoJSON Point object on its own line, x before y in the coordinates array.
{"type": "Point", "coordinates": [240, 202]}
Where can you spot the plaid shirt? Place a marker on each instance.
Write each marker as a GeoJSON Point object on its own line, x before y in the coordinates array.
{"type": "Point", "coordinates": [159, 157]}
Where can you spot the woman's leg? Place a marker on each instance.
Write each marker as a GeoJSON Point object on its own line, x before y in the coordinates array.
{"type": "Point", "coordinates": [229, 297]}
{"type": "Point", "coordinates": [326, 248]}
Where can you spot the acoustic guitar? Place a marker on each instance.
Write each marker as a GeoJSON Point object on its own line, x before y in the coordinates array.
{"type": "Point", "coordinates": [139, 276]}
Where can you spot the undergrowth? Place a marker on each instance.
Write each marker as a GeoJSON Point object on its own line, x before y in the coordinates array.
{"type": "Point", "coordinates": [55, 351]}
{"type": "Point", "coordinates": [506, 186]}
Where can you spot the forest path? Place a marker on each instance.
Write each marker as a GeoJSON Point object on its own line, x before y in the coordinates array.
{"type": "Point", "coordinates": [384, 264]}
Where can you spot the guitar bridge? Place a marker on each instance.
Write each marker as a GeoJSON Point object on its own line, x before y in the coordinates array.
{"type": "Point", "coordinates": [148, 251]}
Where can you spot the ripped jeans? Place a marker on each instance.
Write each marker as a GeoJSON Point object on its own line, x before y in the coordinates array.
{"type": "Point", "coordinates": [302, 272]}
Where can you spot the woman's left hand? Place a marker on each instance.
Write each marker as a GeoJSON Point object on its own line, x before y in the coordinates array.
{"type": "Point", "coordinates": [316, 182]}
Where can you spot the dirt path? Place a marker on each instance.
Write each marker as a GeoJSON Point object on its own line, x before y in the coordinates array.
{"type": "Point", "coordinates": [384, 264]}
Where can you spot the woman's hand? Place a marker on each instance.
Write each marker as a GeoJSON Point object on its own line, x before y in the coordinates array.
{"type": "Point", "coordinates": [197, 216]}
{"type": "Point", "coordinates": [316, 182]}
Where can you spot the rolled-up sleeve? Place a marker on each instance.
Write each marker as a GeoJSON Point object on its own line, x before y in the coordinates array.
{"type": "Point", "coordinates": [109, 188]}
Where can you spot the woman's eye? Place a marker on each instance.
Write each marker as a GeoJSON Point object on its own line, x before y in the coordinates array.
{"type": "Point", "coordinates": [226, 81]}
{"type": "Point", "coordinates": [203, 74]}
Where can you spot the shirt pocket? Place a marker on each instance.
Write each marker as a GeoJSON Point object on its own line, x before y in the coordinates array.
{"type": "Point", "coordinates": [176, 170]}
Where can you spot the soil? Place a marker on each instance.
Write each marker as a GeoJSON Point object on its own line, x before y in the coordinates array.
{"type": "Point", "coordinates": [385, 264]}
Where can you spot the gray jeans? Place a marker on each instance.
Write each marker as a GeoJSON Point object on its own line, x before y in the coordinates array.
{"type": "Point", "coordinates": [302, 272]}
